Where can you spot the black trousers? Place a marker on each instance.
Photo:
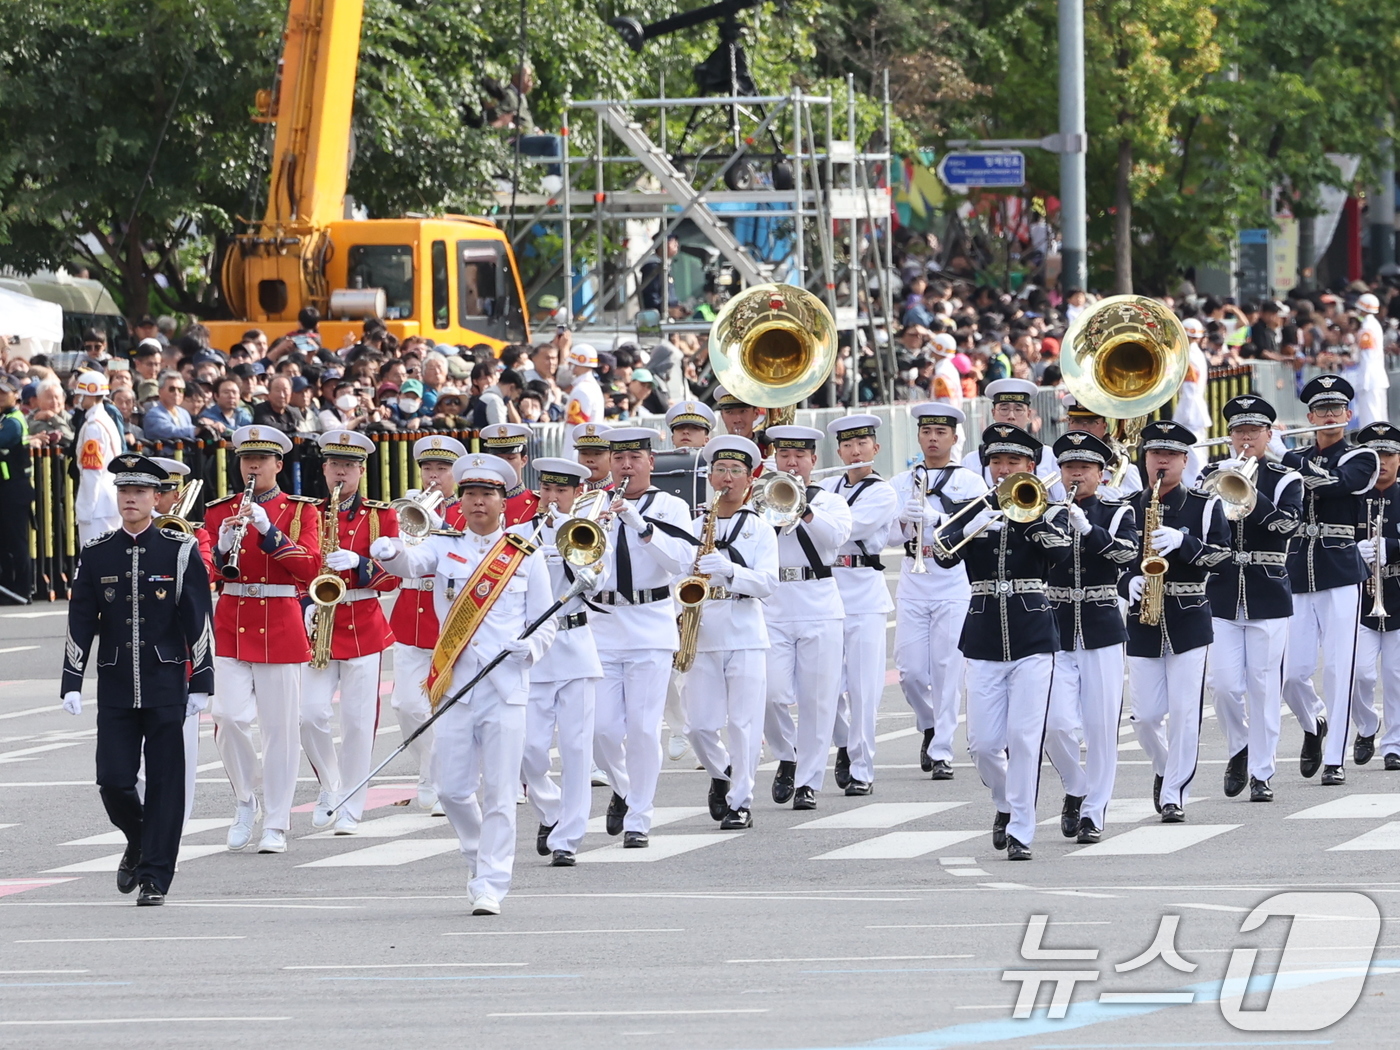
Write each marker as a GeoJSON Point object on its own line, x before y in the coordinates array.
{"type": "Point", "coordinates": [16, 567]}
{"type": "Point", "coordinates": [122, 734]}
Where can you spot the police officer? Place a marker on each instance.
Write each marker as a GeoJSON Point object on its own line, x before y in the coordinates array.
{"type": "Point", "coordinates": [16, 498]}
{"type": "Point", "coordinates": [1325, 572]}
{"type": "Point", "coordinates": [1379, 637]}
{"type": "Point", "coordinates": [1167, 660]}
{"type": "Point", "coordinates": [1250, 602]}
{"type": "Point", "coordinates": [142, 592]}
{"type": "Point", "coordinates": [1087, 694]}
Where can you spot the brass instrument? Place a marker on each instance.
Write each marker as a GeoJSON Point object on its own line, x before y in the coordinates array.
{"type": "Point", "coordinates": [1290, 432]}
{"type": "Point", "coordinates": [692, 592]}
{"type": "Point", "coordinates": [1021, 497]}
{"type": "Point", "coordinates": [1154, 566]}
{"type": "Point", "coordinates": [327, 590]}
{"type": "Point", "coordinates": [179, 516]}
{"type": "Point", "coordinates": [1375, 532]}
{"type": "Point", "coordinates": [418, 515]}
{"type": "Point", "coordinates": [841, 469]}
{"type": "Point", "coordinates": [1124, 357]}
{"type": "Point", "coordinates": [230, 568]}
{"type": "Point", "coordinates": [780, 499]}
{"type": "Point", "coordinates": [580, 540]}
{"type": "Point", "coordinates": [773, 345]}
{"type": "Point", "coordinates": [1235, 488]}
{"type": "Point", "coordinates": [919, 477]}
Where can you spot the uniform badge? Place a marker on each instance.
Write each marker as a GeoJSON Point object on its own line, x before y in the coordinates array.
{"type": "Point", "coordinates": [482, 589]}
{"type": "Point", "coordinates": [1075, 437]}
{"type": "Point", "coordinates": [590, 429]}
{"type": "Point", "coordinates": [110, 579]}
{"type": "Point", "coordinates": [110, 594]}
{"type": "Point", "coordinates": [1004, 431]}
{"type": "Point", "coordinates": [160, 594]}
{"type": "Point", "coordinates": [437, 443]}
{"type": "Point", "coordinates": [254, 434]}
{"type": "Point", "coordinates": [1327, 381]}
{"type": "Point", "coordinates": [130, 461]}
{"type": "Point", "coordinates": [1245, 402]}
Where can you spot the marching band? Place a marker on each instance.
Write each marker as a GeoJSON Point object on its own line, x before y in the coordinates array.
{"type": "Point", "coordinates": [1038, 583]}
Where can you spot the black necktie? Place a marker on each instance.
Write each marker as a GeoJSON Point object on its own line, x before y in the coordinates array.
{"type": "Point", "coordinates": [624, 563]}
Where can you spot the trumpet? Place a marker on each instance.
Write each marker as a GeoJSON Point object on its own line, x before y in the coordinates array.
{"type": "Point", "coordinates": [919, 477]}
{"type": "Point", "coordinates": [418, 515]}
{"type": "Point", "coordinates": [1020, 497]}
{"type": "Point", "coordinates": [231, 569]}
{"type": "Point", "coordinates": [1235, 487]}
{"type": "Point", "coordinates": [179, 516]}
{"type": "Point", "coordinates": [1375, 530]}
{"type": "Point", "coordinates": [780, 499]}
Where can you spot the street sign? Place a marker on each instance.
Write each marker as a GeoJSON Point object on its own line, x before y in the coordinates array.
{"type": "Point", "coordinates": [999, 168]}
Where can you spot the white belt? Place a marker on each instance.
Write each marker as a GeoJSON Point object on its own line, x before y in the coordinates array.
{"type": "Point", "coordinates": [359, 594]}
{"type": "Point", "coordinates": [1004, 587]}
{"type": "Point", "coordinates": [1097, 593]}
{"type": "Point", "coordinates": [1260, 558]}
{"type": "Point", "coordinates": [1344, 532]}
{"type": "Point", "coordinates": [724, 594]}
{"type": "Point", "coordinates": [1185, 590]}
{"type": "Point", "coordinates": [260, 590]}
{"type": "Point", "coordinates": [417, 583]}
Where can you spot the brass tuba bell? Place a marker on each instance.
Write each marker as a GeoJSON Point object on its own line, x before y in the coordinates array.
{"type": "Point", "coordinates": [773, 345]}
{"type": "Point", "coordinates": [1124, 356]}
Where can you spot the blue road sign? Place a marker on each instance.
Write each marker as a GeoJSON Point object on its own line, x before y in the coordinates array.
{"type": "Point", "coordinates": [961, 171]}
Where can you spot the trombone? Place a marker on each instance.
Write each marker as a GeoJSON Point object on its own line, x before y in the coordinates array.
{"type": "Point", "coordinates": [179, 516]}
{"type": "Point", "coordinates": [1021, 497]}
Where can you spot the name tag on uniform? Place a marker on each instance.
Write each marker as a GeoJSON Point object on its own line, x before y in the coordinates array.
{"type": "Point", "coordinates": [456, 557]}
{"type": "Point", "coordinates": [159, 579]}
{"type": "Point", "coordinates": [109, 579]}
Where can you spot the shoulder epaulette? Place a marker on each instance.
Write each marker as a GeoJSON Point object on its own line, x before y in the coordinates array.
{"type": "Point", "coordinates": [223, 499]}
{"type": "Point", "coordinates": [305, 499]}
{"type": "Point", "coordinates": [176, 534]}
{"type": "Point", "coordinates": [1107, 502]}
{"type": "Point", "coordinates": [1282, 468]}
{"type": "Point", "coordinates": [374, 504]}
{"type": "Point", "coordinates": [446, 532]}
{"type": "Point", "coordinates": [98, 539]}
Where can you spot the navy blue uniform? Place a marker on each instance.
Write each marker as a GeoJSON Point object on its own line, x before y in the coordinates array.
{"type": "Point", "coordinates": [1335, 479]}
{"type": "Point", "coordinates": [1254, 583]}
{"type": "Point", "coordinates": [1386, 501]}
{"type": "Point", "coordinates": [1084, 587]}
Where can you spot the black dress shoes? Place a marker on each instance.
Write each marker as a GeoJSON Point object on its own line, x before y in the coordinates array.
{"type": "Point", "coordinates": [1392, 762]}
{"type": "Point", "coordinates": [1069, 815]}
{"type": "Point", "coordinates": [126, 870]}
{"type": "Point", "coordinates": [1016, 849]}
{"type": "Point", "coordinates": [542, 839]}
{"type": "Point", "coordinates": [563, 859]}
{"type": "Point", "coordinates": [1333, 776]}
{"type": "Point", "coordinates": [635, 840]}
{"type": "Point", "coordinates": [1088, 834]}
{"type": "Point", "coordinates": [1236, 773]}
{"type": "Point", "coordinates": [999, 830]}
{"type": "Point", "coordinates": [843, 767]}
{"type": "Point", "coordinates": [926, 763]}
{"type": "Point", "coordinates": [783, 780]}
{"type": "Point", "coordinates": [736, 820]}
{"type": "Point", "coordinates": [804, 798]}
{"type": "Point", "coordinates": [150, 897]}
{"type": "Point", "coordinates": [718, 790]}
{"type": "Point", "coordinates": [1364, 749]}
{"type": "Point", "coordinates": [1310, 759]}
{"type": "Point", "coordinates": [617, 809]}
{"type": "Point", "coordinates": [1259, 790]}
{"type": "Point", "coordinates": [1173, 814]}
{"type": "Point", "coordinates": [1157, 794]}
{"type": "Point", "coordinates": [860, 787]}
{"type": "Point", "coordinates": [942, 769]}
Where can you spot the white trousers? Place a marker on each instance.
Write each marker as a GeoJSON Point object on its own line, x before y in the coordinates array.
{"type": "Point", "coordinates": [863, 681]}
{"type": "Point", "coordinates": [1087, 700]}
{"type": "Point", "coordinates": [411, 703]}
{"type": "Point", "coordinates": [728, 691]}
{"type": "Point", "coordinates": [476, 754]}
{"type": "Point", "coordinates": [270, 693]}
{"type": "Point", "coordinates": [931, 667]}
{"type": "Point", "coordinates": [1328, 619]}
{"type": "Point", "coordinates": [1246, 683]}
{"type": "Point", "coordinates": [675, 704]}
{"type": "Point", "coordinates": [803, 668]}
{"type": "Point", "coordinates": [1385, 646]}
{"type": "Point", "coordinates": [358, 681]}
{"type": "Point", "coordinates": [1172, 685]}
{"type": "Point", "coordinates": [568, 705]}
{"type": "Point", "coordinates": [627, 726]}
{"type": "Point", "coordinates": [1007, 705]}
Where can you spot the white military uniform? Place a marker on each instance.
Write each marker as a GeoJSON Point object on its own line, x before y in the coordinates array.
{"type": "Point", "coordinates": [95, 507]}
{"type": "Point", "coordinates": [1372, 379]}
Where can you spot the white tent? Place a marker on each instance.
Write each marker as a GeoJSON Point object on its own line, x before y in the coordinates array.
{"type": "Point", "coordinates": [29, 326]}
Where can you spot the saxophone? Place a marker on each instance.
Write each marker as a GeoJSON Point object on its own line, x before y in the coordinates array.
{"type": "Point", "coordinates": [692, 592]}
{"type": "Point", "coordinates": [1154, 566]}
{"type": "Point", "coordinates": [327, 589]}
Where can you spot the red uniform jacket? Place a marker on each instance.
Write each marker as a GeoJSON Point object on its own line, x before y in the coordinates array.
{"type": "Point", "coordinates": [206, 550]}
{"type": "Point", "coordinates": [360, 626]}
{"type": "Point", "coordinates": [255, 627]}
{"type": "Point", "coordinates": [413, 619]}
{"type": "Point", "coordinates": [520, 506]}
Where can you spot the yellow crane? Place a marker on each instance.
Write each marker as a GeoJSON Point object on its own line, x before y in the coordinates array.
{"type": "Point", "coordinates": [452, 279]}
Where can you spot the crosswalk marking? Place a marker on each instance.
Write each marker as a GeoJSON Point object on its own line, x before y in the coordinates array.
{"type": "Point", "coordinates": [26, 754]}
{"type": "Point", "coordinates": [389, 827]}
{"type": "Point", "coordinates": [660, 816]}
{"type": "Point", "coordinates": [900, 845]}
{"type": "Point", "coordinates": [195, 826]}
{"type": "Point", "coordinates": [660, 849]}
{"type": "Point", "coordinates": [880, 815]}
{"type": "Point", "coordinates": [375, 798]}
{"type": "Point", "coordinates": [1351, 807]}
{"type": "Point", "coordinates": [9, 887]}
{"type": "Point", "coordinates": [188, 852]}
{"type": "Point", "coordinates": [387, 854]}
{"type": "Point", "coordinates": [1154, 839]}
{"type": "Point", "coordinates": [1387, 836]}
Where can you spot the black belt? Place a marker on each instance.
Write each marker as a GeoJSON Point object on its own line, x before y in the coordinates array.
{"type": "Point", "coordinates": [656, 594]}
{"type": "Point", "coordinates": [795, 573]}
{"type": "Point", "coordinates": [568, 623]}
{"type": "Point", "coordinates": [858, 561]}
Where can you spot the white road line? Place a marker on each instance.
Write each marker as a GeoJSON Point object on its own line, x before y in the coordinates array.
{"type": "Point", "coordinates": [851, 958]}
{"type": "Point", "coordinates": [388, 854]}
{"type": "Point", "coordinates": [980, 925]}
{"type": "Point", "coordinates": [20, 973]}
{"type": "Point", "coordinates": [1120, 811]}
{"type": "Point", "coordinates": [629, 1013]}
{"type": "Point", "coordinates": [899, 845]}
{"type": "Point", "coordinates": [19, 649]}
{"type": "Point", "coordinates": [1385, 837]}
{"type": "Point", "coordinates": [195, 826]}
{"type": "Point", "coordinates": [140, 1020]}
{"type": "Point", "coordinates": [188, 852]}
{"type": "Point", "coordinates": [951, 861]}
{"type": "Point", "coordinates": [11, 756]}
{"type": "Point", "coordinates": [393, 966]}
{"type": "Point", "coordinates": [389, 827]}
{"type": "Point", "coordinates": [967, 871]}
{"type": "Point", "coordinates": [1210, 907]}
{"type": "Point", "coordinates": [46, 709]}
{"type": "Point", "coordinates": [1351, 807]}
{"type": "Point", "coordinates": [4, 826]}
{"type": "Point", "coordinates": [1154, 840]}
{"type": "Point", "coordinates": [33, 615]}
{"type": "Point", "coordinates": [880, 815]}
{"type": "Point", "coordinates": [549, 933]}
{"type": "Point", "coordinates": [660, 816]}
{"type": "Point", "coordinates": [105, 940]}
{"type": "Point", "coordinates": [660, 849]}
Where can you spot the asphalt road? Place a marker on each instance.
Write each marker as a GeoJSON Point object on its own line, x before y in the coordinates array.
{"type": "Point", "coordinates": [885, 921]}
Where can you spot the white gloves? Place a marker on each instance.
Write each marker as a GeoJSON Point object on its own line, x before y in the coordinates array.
{"type": "Point", "coordinates": [716, 564]}
{"type": "Point", "coordinates": [1166, 539]}
{"type": "Point", "coordinates": [197, 703]}
{"type": "Point", "coordinates": [1078, 520]}
{"type": "Point", "coordinates": [309, 617]}
{"type": "Point", "coordinates": [917, 510]}
{"type": "Point", "coordinates": [226, 536]}
{"type": "Point", "coordinates": [1369, 548]}
{"type": "Point", "coordinates": [992, 519]}
{"type": "Point", "coordinates": [73, 703]}
{"type": "Point", "coordinates": [1228, 464]}
{"type": "Point", "coordinates": [1135, 588]}
{"type": "Point", "coordinates": [342, 560]}
{"type": "Point", "coordinates": [261, 521]}
{"type": "Point", "coordinates": [629, 516]}
{"type": "Point", "coordinates": [384, 548]}
{"type": "Point", "coordinates": [518, 645]}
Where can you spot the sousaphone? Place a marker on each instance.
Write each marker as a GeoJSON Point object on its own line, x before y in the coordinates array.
{"type": "Point", "coordinates": [1124, 357]}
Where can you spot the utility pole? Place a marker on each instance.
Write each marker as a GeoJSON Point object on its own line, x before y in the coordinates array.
{"type": "Point", "coordinates": [1074, 239]}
